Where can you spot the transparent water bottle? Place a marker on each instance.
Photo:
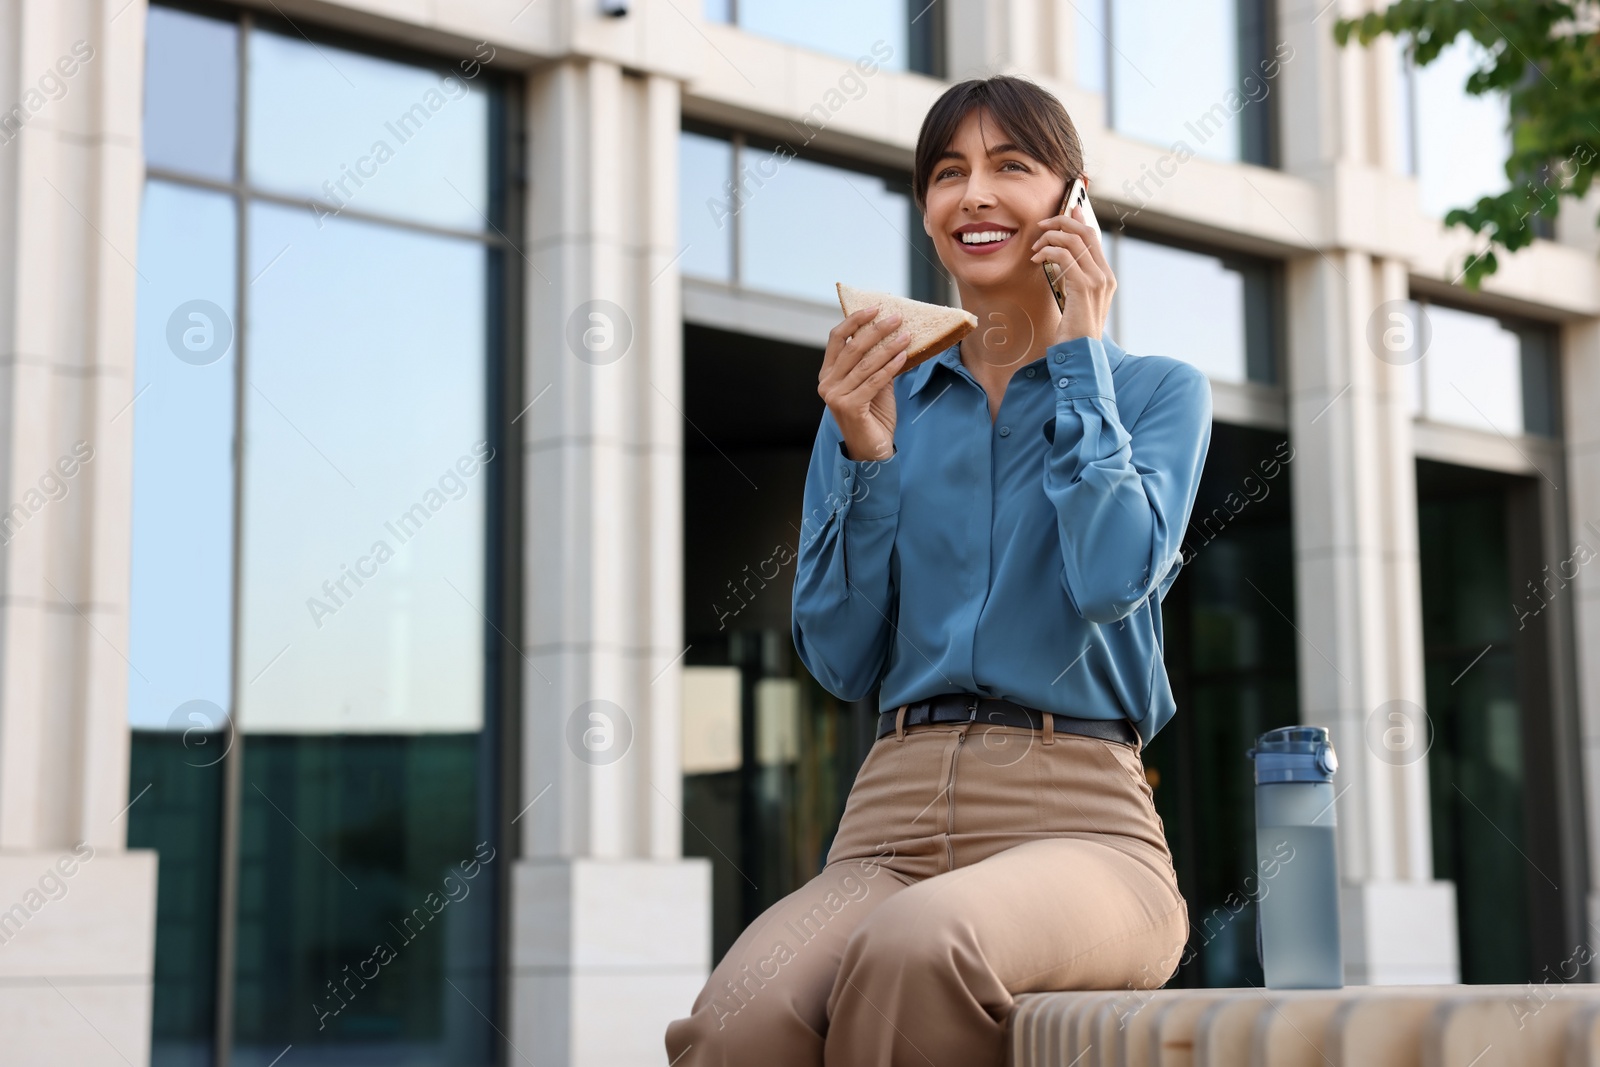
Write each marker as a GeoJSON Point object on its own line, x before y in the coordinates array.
{"type": "Point", "coordinates": [1297, 914]}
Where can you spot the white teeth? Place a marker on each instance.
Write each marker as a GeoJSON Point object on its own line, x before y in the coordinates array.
{"type": "Point", "coordinates": [986, 237]}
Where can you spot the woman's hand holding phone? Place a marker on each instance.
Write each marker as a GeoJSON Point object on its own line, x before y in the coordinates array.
{"type": "Point", "coordinates": [857, 381]}
{"type": "Point", "coordinates": [1086, 278]}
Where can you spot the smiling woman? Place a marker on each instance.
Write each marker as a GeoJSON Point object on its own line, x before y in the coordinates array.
{"type": "Point", "coordinates": [991, 582]}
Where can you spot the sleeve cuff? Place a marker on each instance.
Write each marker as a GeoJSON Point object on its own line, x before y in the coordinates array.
{"type": "Point", "coordinates": [869, 488]}
{"type": "Point", "coordinates": [1080, 369]}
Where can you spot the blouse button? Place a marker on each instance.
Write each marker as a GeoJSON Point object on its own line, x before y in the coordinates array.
{"type": "Point", "coordinates": [1064, 382]}
{"type": "Point", "coordinates": [1005, 431]}
{"type": "Point", "coordinates": [1029, 372]}
{"type": "Point", "coordinates": [1061, 357]}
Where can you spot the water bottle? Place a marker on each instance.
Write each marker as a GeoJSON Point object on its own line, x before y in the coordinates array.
{"type": "Point", "coordinates": [1297, 914]}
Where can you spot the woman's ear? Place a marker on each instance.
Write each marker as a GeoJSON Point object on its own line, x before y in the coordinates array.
{"type": "Point", "coordinates": [925, 227]}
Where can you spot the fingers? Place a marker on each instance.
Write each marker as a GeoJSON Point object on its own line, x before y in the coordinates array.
{"type": "Point", "coordinates": [1075, 255]}
{"type": "Point", "coordinates": [1089, 235]}
{"type": "Point", "coordinates": [874, 361]}
{"type": "Point", "coordinates": [850, 339]}
{"type": "Point", "coordinates": [840, 334]}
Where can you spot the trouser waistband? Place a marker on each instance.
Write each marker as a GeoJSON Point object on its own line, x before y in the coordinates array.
{"type": "Point", "coordinates": [992, 711]}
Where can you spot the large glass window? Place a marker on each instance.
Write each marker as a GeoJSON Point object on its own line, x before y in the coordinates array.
{"type": "Point", "coordinates": [757, 215]}
{"type": "Point", "coordinates": [901, 34]}
{"type": "Point", "coordinates": [1203, 73]}
{"type": "Point", "coordinates": [1220, 312]}
{"type": "Point", "coordinates": [323, 277]}
{"type": "Point", "coordinates": [1485, 372]}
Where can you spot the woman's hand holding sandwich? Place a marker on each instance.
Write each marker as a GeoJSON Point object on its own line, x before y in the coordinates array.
{"type": "Point", "coordinates": [857, 381]}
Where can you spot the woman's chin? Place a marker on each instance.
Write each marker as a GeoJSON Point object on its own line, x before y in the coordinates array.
{"type": "Point", "coordinates": [985, 277]}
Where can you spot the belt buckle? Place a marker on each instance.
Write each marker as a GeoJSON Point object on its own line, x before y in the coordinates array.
{"type": "Point", "coordinates": [972, 709]}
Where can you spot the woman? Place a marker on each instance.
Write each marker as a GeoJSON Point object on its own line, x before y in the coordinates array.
{"type": "Point", "coordinates": [987, 537]}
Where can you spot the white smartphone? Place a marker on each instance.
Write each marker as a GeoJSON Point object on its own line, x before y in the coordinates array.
{"type": "Point", "coordinates": [1077, 196]}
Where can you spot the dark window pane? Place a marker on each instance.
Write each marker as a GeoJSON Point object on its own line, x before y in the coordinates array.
{"type": "Point", "coordinates": [366, 903]}
{"type": "Point", "coordinates": [191, 93]}
{"type": "Point", "coordinates": [1541, 400]}
{"type": "Point", "coordinates": [1232, 664]}
{"type": "Point", "coordinates": [175, 787]}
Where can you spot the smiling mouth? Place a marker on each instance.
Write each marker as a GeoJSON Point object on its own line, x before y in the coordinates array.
{"type": "Point", "coordinates": [985, 238]}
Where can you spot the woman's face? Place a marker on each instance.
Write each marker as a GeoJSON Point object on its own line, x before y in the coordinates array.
{"type": "Point", "coordinates": [982, 186]}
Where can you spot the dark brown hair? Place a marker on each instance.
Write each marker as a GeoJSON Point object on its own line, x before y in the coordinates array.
{"type": "Point", "coordinates": [1030, 116]}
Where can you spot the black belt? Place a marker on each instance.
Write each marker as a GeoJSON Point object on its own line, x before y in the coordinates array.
{"type": "Point", "coordinates": [965, 707]}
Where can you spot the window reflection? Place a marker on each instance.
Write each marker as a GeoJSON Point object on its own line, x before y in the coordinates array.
{"type": "Point", "coordinates": [1219, 314]}
{"type": "Point", "coordinates": [705, 207]}
{"type": "Point", "coordinates": [180, 624]}
{"type": "Point", "coordinates": [798, 225]}
{"type": "Point", "coordinates": [364, 479]}
{"type": "Point", "coordinates": [811, 225]}
{"type": "Point", "coordinates": [370, 134]}
{"type": "Point", "coordinates": [1487, 374]}
{"type": "Point", "coordinates": [1202, 73]}
{"type": "Point", "coordinates": [191, 93]}
{"type": "Point", "coordinates": [845, 28]}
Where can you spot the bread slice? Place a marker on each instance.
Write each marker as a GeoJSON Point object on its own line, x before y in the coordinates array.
{"type": "Point", "coordinates": [933, 327]}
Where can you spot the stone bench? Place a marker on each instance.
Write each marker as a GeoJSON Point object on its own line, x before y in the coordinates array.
{"type": "Point", "coordinates": [1534, 1025]}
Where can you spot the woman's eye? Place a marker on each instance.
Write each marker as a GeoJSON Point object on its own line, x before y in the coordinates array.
{"type": "Point", "coordinates": [945, 173]}
{"type": "Point", "coordinates": [1012, 163]}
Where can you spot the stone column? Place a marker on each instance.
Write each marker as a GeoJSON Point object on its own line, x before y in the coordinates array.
{"type": "Point", "coordinates": [610, 925]}
{"type": "Point", "coordinates": [77, 911]}
{"type": "Point", "coordinates": [1357, 580]}
{"type": "Point", "coordinates": [1359, 616]}
{"type": "Point", "coordinates": [1580, 385]}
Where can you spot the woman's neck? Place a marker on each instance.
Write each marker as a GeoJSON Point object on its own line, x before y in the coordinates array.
{"type": "Point", "coordinates": [1015, 326]}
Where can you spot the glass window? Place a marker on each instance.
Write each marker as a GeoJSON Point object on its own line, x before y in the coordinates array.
{"type": "Point", "coordinates": [1090, 41]}
{"type": "Point", "coordinates": [181, 590]}
{"type": "Point", "coordinates": [390, 138]}
{"type": "Point", "coordinates": [1218, 313]}
{"type": "Point", "coordinates": [1201, 73]}
{"type": "Point", "coordinates": [362, 612]}
{"type": "Point", "coordinates": [812, 225]}
{"type": "Point", "coordinates": [844, 28]}
{"type": "Point", "coordinates": [348, 422]}
{"type": "Point", "coordinates": [191, 98]}
{"type": "Point", "coordinates": [1489, 374]}
{"type": "Point", "coordinates": [706, 206]}
{"type": "Point", "coordinates": [181, 625]}
{"type": "Point", "coordinates": [798, 225]}
{"type": "Point", "coordinates": [1461, 141]}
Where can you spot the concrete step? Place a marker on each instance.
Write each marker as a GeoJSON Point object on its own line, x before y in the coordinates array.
{"type": "Point", "coordinates": [1533, 1025]}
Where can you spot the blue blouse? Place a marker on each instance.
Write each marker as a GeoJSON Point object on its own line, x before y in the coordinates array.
{"type": "Point", "coordinates": [1023, 558]}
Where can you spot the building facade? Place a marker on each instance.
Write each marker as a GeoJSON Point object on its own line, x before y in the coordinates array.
{"type": "Point", "coordinates": [404, 417]}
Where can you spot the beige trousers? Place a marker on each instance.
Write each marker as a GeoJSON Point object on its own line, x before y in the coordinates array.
{"type": "Point", "coordinates": [973, 862]}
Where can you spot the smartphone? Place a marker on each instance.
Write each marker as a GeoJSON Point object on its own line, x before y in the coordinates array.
{"type": "Point", "coordinates": [1077, 196]}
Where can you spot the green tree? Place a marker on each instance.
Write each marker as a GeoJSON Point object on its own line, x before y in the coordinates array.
{"type": "Point", "coordinates": [1546, 59]}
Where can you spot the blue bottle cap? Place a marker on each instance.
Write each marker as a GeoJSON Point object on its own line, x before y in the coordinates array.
{"type": "Point", "coordinates": [1294, 754]}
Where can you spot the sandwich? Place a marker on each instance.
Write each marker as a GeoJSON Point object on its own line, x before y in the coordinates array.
{"type": "Point", "coordinates": [933, 327]}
